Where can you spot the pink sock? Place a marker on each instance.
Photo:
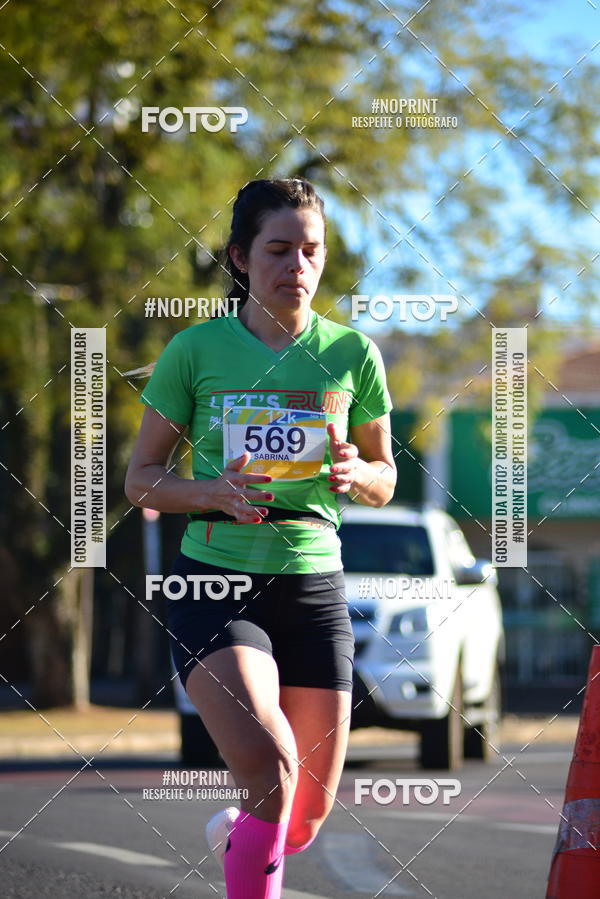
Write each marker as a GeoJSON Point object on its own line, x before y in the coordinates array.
{"type": "Point", "coordinates": [289, 850]}
{"type": "Point", "coordinates": [254, 858]}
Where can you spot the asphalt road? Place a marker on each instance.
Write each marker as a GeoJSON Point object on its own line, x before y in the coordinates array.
{"type": "Point", "coordinates": [67, 832]}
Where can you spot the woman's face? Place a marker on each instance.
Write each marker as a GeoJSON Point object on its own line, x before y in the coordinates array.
{"type": "Point", "coordinates": [285, 260]}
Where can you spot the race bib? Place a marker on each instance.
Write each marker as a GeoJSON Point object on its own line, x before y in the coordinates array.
{"type": "Point", "coordinates": [288, 444]}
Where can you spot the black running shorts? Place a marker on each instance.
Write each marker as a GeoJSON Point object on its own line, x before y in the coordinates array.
{"type": "Point", "coordinates": [302, 620]}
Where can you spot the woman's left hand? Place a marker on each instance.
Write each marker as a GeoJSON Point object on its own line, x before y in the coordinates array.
{"type": "Point", "coordinates": [344, 461]}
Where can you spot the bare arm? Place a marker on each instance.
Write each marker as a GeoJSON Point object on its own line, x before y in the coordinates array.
{"type": "Point", "coordinates": [149, 484]}
{"type": "Point", "coordinates": [365, 468]}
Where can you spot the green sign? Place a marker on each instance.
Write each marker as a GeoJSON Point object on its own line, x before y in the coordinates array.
{"type": "Point", "coordinates": [563, 464]}
{"type": "Point", "coordinates": [409, 486]}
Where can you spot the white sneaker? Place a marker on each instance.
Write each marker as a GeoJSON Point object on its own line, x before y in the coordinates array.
{"type": "Point", "coordinates": [217, 832]}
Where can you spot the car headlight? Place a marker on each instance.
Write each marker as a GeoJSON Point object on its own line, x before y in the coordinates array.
{"type": "Point", "coordinates": [416, 621]}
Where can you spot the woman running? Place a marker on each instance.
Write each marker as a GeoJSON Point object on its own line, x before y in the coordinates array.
{"type": "Point", "coordinates": [270, 397]}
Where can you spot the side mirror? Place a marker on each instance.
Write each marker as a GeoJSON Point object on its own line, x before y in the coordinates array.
{"type": "Point", "coordinates": [480, 572]}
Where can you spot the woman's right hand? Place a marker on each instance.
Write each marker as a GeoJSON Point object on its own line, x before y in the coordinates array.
{"type": "Point", "coordinates": [229, 492]}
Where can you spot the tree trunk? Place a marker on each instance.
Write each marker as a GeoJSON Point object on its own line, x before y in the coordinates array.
{"type": "Point", "coordinates": [60, 643]}
{"type": "Point", "coordinates": [146, 647]}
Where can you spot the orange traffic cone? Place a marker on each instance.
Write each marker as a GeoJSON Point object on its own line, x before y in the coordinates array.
{"type": "Point", "coordinates": [575, 868]}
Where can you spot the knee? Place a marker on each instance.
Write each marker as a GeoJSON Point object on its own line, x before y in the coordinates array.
{"type": "Point", "coordinates": [271, 770]}
{"type": "Point", "coordinates": [303, 833]}
{"type": "Point", "coordinates": [313, 815]}
{"type": "Point", "coordinates": [318, 807]}
{"type": "Point", "coordinates": [280, 774]}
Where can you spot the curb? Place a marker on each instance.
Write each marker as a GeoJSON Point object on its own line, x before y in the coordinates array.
{"type": "Point", "coordinates": [514, 730]}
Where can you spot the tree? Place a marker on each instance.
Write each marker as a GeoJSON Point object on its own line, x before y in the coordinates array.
{"type": "Point", "coordinates": [97, 215]}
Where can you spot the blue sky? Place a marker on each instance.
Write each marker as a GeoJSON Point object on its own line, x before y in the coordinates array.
{"type": "Point", "coordinates": [553, 21]}
{"type": "Point", "coordinates": [559, 31]}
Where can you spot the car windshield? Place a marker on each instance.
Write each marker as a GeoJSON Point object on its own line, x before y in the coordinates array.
{"type": "Point", "coordinates": [394, 548]}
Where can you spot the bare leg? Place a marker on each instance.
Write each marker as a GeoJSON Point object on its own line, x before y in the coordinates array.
{"type": "Point", "coordinates": [320, 721]}
{"type": "Point", "coordinates": [236, 693]}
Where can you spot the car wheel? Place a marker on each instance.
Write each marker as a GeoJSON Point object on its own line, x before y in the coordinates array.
{"type": "Point", "coordinates": [478, 742]}
{"type": "Point", "coordinates": [442, 739]}
{"type": "Point", "coordinates": [197, 747]}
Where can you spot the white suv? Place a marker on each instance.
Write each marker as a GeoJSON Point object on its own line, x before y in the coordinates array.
{"type": "Point", "coordinates": [428, 628]}
{"type": "Point", "coordinates": [428, 632]}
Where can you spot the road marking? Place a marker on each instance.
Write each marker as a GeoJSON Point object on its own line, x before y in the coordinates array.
{"type": "Point", "coordinates": [351, 860]}
{"type": "Point", "coordinates": [394, 753]}
{"type": "Point", "coordinates": [424, 816]}
{"type": "Point", "coordinates": [379, 753]}
{"type": "Point", "coordinates": [121, 855]}
{"type": "Point", "coordinates": [525, 757]}
{"type": "Point", "coordinates": [286, 894]}
{"type": "Point", "coordinates": [530, 828]}
{"type": "Point", "coordinates": [296, 894]}
{"type": "Point", "coordinates": [466, 819]}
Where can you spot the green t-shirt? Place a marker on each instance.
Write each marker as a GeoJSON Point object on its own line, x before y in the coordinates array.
{"type": "Point", "coordinates": [329, 368]}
